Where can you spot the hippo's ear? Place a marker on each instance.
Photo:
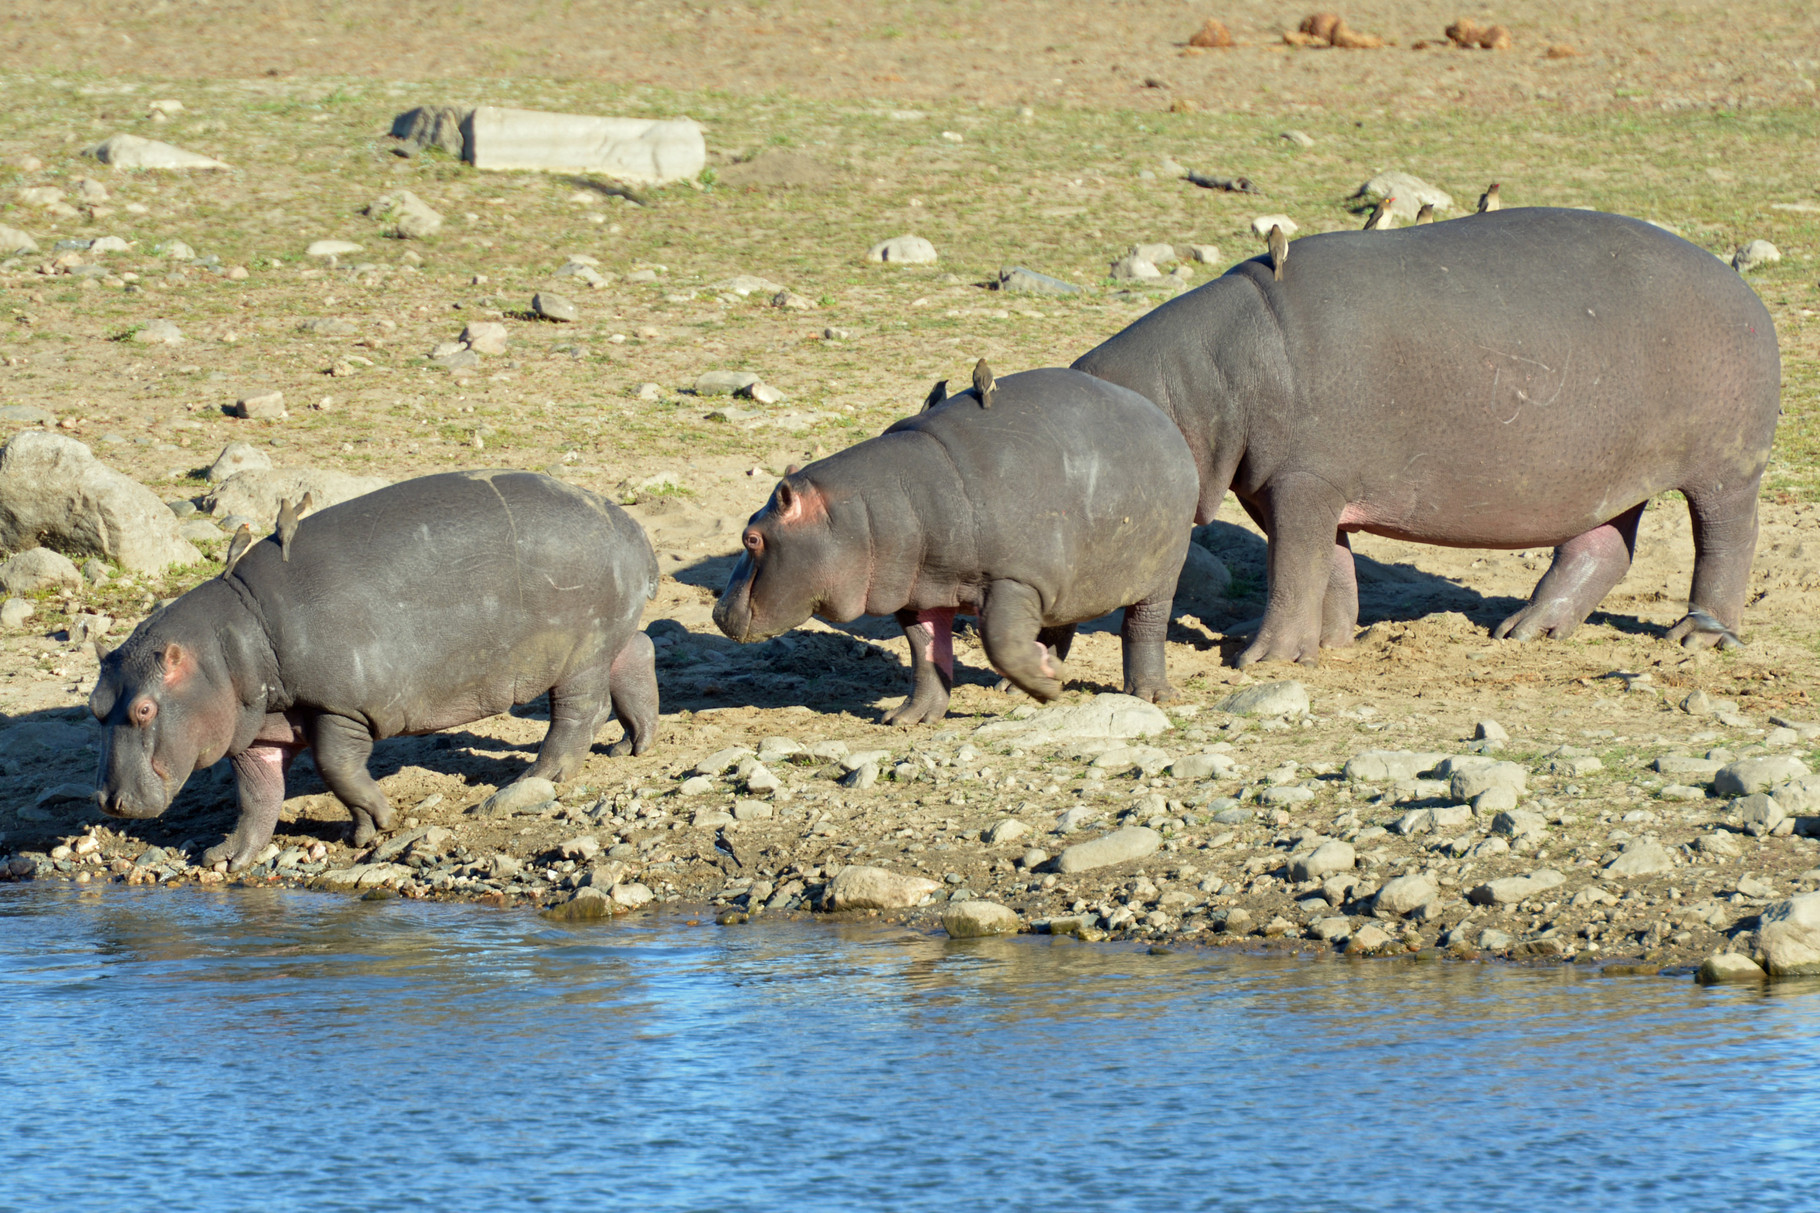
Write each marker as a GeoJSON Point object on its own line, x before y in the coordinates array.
{"type": "Point", "coordinates": [936, 395]}
{"type": "Point", "coordinates": [794, 502]}
{"type": "Point", "coordinates": [176, 662]}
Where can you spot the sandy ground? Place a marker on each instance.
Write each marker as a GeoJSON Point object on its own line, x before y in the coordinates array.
{"type": "Point", "coordinates": [1421, 676]}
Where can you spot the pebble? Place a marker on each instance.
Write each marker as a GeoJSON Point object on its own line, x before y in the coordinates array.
{"type": "Point", "coordinates": [1134, 268]}
{"type": "Point", "coordinates": [1519, 823]}
{"type": "Point", "coordinates": [760, 781]}
{"type": "Point", "coordinates": [1007, 830]}
{"type": "Point", "coordinates": [1493, 940]}
{"type": "Point", "coordinates": [1367, 940]}
{"type": "Point", "coordinates": [696, 786]}
{"type": "Point", "coordinates": [329, 248]}
{"type": "Point", "coordinates": [861, 777]}
{"type": "Point", "coordinates": [1201, 766]}
{"type": "Point", "coordinates": [1490, 730]}
{"type": "Point", "coordinates": [554, 307]}
{"type": "Point", "coordinates": [859, 887]}
{"type": "Point", "coordinates": [1493, 801]}
{"type": "Point", "coordinates": [1299, 138]}
{"type": "Point", "coordinates": [158, 332]}
{"type": "Point", "coordinates": [238, 457]}
{"type": "Point", "coordinates": [752, 810]}
{"type": "Point", "coordinates": [1120, 846]}
{"type": "Point", "coordinates": [979, 920]}
{"type": "Point", "coordinates": [1267, 699]}
{"type": "Point", "coordinates": [710, 819]}
{"type": "Point", "coordinates": [1716, 843]}
{"type": "Point", "coordinates": [1676, 764]}
{"type": "Point", "coordinates": [1018, 280]}
{"type": "Point", "coordinates": [903, 250]}
{"type": "Point", "coordinates": [523, 796]}
{"type": "Point", "coordinates": [725, 383]}
{"type": "Point", "coordinates": [1467, 785]}
{"type": "Point", "coordinates": [1388, 766]}
{"type": "Point", "coordinates": [1261, 225]}
{"type": "Point", "coordinates": [1760, 812]}
{"type": "Point", "coordinates": [485, 337]}
{"type": "Point", "coordinates": [1512, 889]}
{"type": "Point", "coordinates": [587, 903]}
{"type": "Point", "coordinates": [260, 406]}
{"type": "Point", "coordinates": [14, 612]}
{"type": "Point", "coordinates": [1032, 859]}
{"type": "Point", "coordinates": [584, 847]}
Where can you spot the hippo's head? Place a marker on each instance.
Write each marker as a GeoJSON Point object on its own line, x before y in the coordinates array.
{"type": "Point", "coordinates": [801, 558]}
{"type": "Point", "coordinates": [166, 709]}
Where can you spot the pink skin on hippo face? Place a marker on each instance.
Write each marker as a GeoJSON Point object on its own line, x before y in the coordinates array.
{"type": "Point", "coordinates": [162, 720]}
{"type": "Point", "coordinates": [1064, 500]}
{"type": "Point", "coordinates": [1520, 378]}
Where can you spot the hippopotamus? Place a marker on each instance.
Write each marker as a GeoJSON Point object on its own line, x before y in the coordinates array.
{"type": "Point", "coordinates": [1519, 378]}
{"type": "Point", "coordinates": [1036, 502]}
{"type": "Point", "coordinates": [433, 603]}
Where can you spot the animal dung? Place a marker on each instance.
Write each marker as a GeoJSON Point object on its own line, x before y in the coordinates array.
{"type": "Point", "coordinates": [1330, 29]}
{"type": "Point", "coordinates": [1211, 35]}
{"type": "Point", "coordinates": [1468, 34]}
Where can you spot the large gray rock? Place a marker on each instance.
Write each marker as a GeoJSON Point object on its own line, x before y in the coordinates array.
{"type": "Point", "coordinates": [903, 250]}
{"type": "Point", "coordinates": [1406, 893]}
{"type": "Point", "coordinates": [1388, 766]}
{"type": "Point", "coordinates": [54, 493]}
{"type": "Point", "coordinates": [1410, 192]}
{"type": "Point", "coordinates": [1512, 889]}
{"type": "Point", "coordinates": [1754, 774]}
{"type": "Point", "coordinates": [1755, 255]}
{"type": "Point", "coordinates": [640, 151]}
{"type": "Point", "coordinates": [1789, 936]}
{"type": "Point", "coordinates": [1728, 966]}
{"type": "Point", "coordinates": [37, 569]}
{"type": "Point", "coordinates": [1109, 715]}
{"type": "Point", "coordinates": [257, 494]}
{"type": "Point", "coordinates": [1267, 699]}
{"type": "Point", "coordinates": [1642, 858]}
{"type": "Point", "coordinates": [1120, 846]}
{"type": "Point", "coordinates": [1017, 279]}
{"type": "Point", "coordinates": [979, 919]}
{"type": "Point", "coordinates": [132, 151]}
{"type": "Point", "coordinates": [858, 887]}
{"type": "Point", "coordinates": [1200, 588]}
{"type": "Point", "coordinates": [433, 126]}
{"type": "Point", "coordinates": [237, 457]}
{"type": "Point", "coordinates": [1677, 764]}
{"type": "Point", "coordinates": [12, 240]}
{"type": "Point", "coordinates": [1323, 861]}
{"type": "Point", "coordinates": [522, 796]}
{"type": "Point", "coordinates": [405, 215]}
{"type": "Point", "coordinates": [1467, 784]}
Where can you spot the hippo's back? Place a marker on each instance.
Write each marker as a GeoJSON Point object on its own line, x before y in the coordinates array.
{"type": "Point", "coordinates": [464, 585]}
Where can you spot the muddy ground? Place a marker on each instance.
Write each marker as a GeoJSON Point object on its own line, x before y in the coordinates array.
{"type": "Point", "coordinates": [961, 123]}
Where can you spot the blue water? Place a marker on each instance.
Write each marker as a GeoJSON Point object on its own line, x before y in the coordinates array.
{"type": "Point", "coordinates": [270, 1049]}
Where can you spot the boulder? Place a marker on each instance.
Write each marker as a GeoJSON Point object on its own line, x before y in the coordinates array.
{"type": "Point", "coordinates": [405, 215]}
{"type": "Point", "coordinates": [522, 796]}
{"type": "Point", "coordinates": [1465, 785]}
{"type": "Point", "coordinates": [1107, 715]}
{"type": "Point", "coordinates": [858, 887]}
{"type": "Point", "coordinates": [1409, 191]}
{"type": "Point", "coordinates": [12, 241]}
{"type": "Point", "coordinates": [1267, 699]}
{"type": "Point", "coordinates": [1728, 966]}
{"type": "Point", "coordinates": [903, 250]}
{"type": "Point", "coordinates": [640, 151]}
{"type": "Point", "coordinates": [1120, 846]}
{"type": "Point", "coordinates": [54, 493]}
{"type": "Point", "coordinates": [1200, 588]}
{"type": "Point", "coordinates": [132, 151]}
{"type": "Point", "coordinates": [1789, 937]}
{"type": "Point", "coordinates": [433, 126]}
{"type": "Point", "coordinates": [979, 919]}
{"type": "Point", "coordinates": [37, 569]}
{"type": "Point", "coordinates": [237, 457]}
{"type": "Point", "coordinates": [1512, 889]}
{"type": "Point", "coordinates": [1642, 858]}
{"type": "Point", "coordinates": [1403, 894]}
{"type": "Point", "coordinates": [1388, 766]}
{"type": "Point", "coordinates": [256, 494]}
{"type": "Point", "coordinates": [1324, 860]}
{"type": "Point", "coordinates": [1751, 774]}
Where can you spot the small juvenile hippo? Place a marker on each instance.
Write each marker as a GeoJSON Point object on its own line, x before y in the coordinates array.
{"type": "Point", "coordinates": [426, 605]}
{"type": "Point", "coordinates": [1037, 502]}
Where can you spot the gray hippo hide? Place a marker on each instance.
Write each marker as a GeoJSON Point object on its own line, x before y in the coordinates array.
{"type": "Point", "coordinates": [1038, 503]}
{"type": "Point", "coordinates": [1521, 378]}
{"type": "Point", "coordinates": [426, 605]}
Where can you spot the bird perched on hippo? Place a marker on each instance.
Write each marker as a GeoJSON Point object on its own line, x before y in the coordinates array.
{"type": "Point", "coordinates": [1518, 378]}
{"type": "Point", "coordinates": [1037, 502]}
{"type": "Point", "coordinates": [433, 603]}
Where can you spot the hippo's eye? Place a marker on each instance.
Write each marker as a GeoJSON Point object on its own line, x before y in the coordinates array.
{"type": "Point", "coordinates": [143, 711]}
{"type": "Point", "coordinates": [754, 541]}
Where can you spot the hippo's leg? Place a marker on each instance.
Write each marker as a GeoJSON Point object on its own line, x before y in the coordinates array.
{"type": "Point", "coordinates": [1725, 540]}
{"type": "Point", "coordinates": [342, 748]}
{"type": "Point", "coordinates": [1143, 635]}
{"type": "Point", "coordinates": [1058, 641]}
{"type": "Point", "coordinates": [1585, 569]}
{"type": "Point", "coordinates": [578, 707]}
{"type": "Point", "coordinates": [931, 637]}
{"type": "Point", "coordinates": [1340, 607]}
{"type": "Point", "coordinates": [1302, 517]}
{"type": "Point", "coordinates": [259, 772]}
{"type": "Point", "coordinates": [634, 691]}
{"type": "Point", "coordinates": [1010, 622]}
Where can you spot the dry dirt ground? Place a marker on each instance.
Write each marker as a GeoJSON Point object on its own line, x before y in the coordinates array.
{"type": "Point", "coordinates": [1006, 133]}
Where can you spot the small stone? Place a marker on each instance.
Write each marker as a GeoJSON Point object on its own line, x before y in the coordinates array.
{"type": "Point", "coordinates": [979, 920]}
{"type": "Point", "coordinates": [1106, 715]}
{"type": "Point", "coordinates": [859, 887]}
{"type": "Point", "coordinates": [261, 406]}
{"type": "Point", "coordinates": [1729, 966]}
{"type": "Point", "coordinates": [585, 847]}
{"type": "Point", "coordinates": [407, 216]}
{"type": "Point", "coordinates": [1267, 699]}
{"type": "Point", "coordinates": [13, 241]}
{"type": "Point", "coordinates": [1494, 940]}
{"type": "Point", "coordinates": [710, 819]}
{"type": "Point", "coordinates": [1681, 791]}
{"type": "Point", "coordinates": [752, 810]}
{"type": "Point", "coordinates": [1135, 268]}
{"type": "Point", "coordinates": [1493, 801]}
{"type": "Point", "coordinates": [587, 903]}
{"type": "Point", "coordinates": [1760, 813]}
{"type": "Point", "coordinates": [1018, 280]}
{"type": "Point", "coordinates": [1120, 846]}
{"type": "Point", "coordinates": [696, 786]}
{"type": "Point", "coordinates": [1789, 937]}
{"type": "Point", "coordinates": [1512, 889]}
{"type": "Point", "coordinates": [725, 383]}
{"type": "Point", "coordinates": [14, 612]}
{"type": "Point", "coordinates": [1329, 857]}
{"type": "Point", "coordinates": [861, 777]}
{"type": "Point", "coordinates": [1755, 255]}
{"type": "Point", "coordinates": [1716, 843]}
{"type": "Point", "coordinates": [1750, 886]}
{"type": "Point", "coordinates": [158, 332]}
{"type": "Point", "coordinates": [1467, 785]}
{"type": "Point", "coordinates": [332, 248]}
{"type": "Point", "coordinates": [1403, 894]}
{"type": "Point", "coordinates": [1032, 859]}
{"type": "Point", "coordinates": [136, 152]}
{"type": "Point", "coordinates": [760, 781]}
{"type": "Point", "coordinates": [554, 307]}
{"type": "Point", "coordinates": [631, 896]}
{"type": "Point", "coordinates": [1642, 858]}
{"type": "Point", "coordinates": [764, 393]}
{"type": "Point", "coordinates": [1263, 223]}
{"type": "Point", "coordinates": [1409, 191]}
{"type": "Point", "coordinates": [832, 334]}
{"type": "Point", "coordinates": [1676, 764]}
{"type": "Point", "coordinates": [1490, 730]}
{"type": "Point", "coordinates": [1519, 823]}
{"type": "Point", "coordinates": [1007, 830]}
{"type": "Point", "coordinates": [1201, 766]}
{"type": "Point", "coordinates": [1367, 940]}
{"type": "Point", "coordinates": [1388, 766]}
{"type": "Point", "coordinates": [1299, 138]}
{"type": "Point", "coordinates": [903, 250]}
{"type": "Point", "coordinates": [38, 569]}
{"type": "Point", "coordinates": [791, 301]}
{"type": "Point", "coordinates": [485, 337]}
{"type": "Point", "coordinates": [523, 796]}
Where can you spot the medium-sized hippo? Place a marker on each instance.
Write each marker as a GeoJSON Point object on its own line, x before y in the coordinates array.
{"type": "Point", "coordinates": [1037, 502]}
{"type": "Point", "coordinates": [1519, 378]}
{"type": "Point", "coordinates": [426, 605]}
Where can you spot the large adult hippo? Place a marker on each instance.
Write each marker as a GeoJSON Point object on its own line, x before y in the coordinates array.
{"type": "Point", "coordinates": [1513, 379]}
{"type": "Point", "coordinates": [426, 605]}
{"type": "Point", "coordinates": [1037, 502]}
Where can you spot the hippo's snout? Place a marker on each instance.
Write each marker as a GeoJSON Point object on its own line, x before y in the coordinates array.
{"type": "Point", "coordinates": [733, 610]}
{"type": "Point", "coordinates": [119, 802]}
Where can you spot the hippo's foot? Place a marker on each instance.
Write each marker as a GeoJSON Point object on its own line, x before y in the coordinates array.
{"type": "Point", "coordinates": [237, 852]}
{"type": "Point", "coordinates": [1267, 647]}
{"type": "Point", "coordinates": [1153, 692]}
{"type": "Point", "coordinates": [919, 708]}
{"type": "Point", "coordinates": [1555, 620]}
{"type": "Point", "coordinates": [1700, 629]}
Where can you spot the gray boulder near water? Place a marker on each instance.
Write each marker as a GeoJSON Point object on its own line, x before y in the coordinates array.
{"type": "Point", "coordinates": [54, 493]}
{"type": "Point", "coordinates": [862, 887]}
{"type": "Point", "coordinates": [1789, 937]}
{"type": "Point", "coordinates": [979, 920]}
